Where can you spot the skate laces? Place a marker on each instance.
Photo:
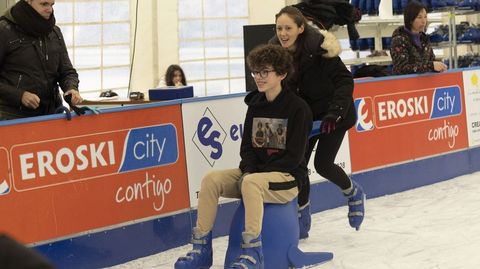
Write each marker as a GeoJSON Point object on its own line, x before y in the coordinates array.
{"type": "Point", "coordinates": [356, 206]}
{"type": "Point", "coordinates": [252, 244]}
{"type": "Point", "coordinates": [240, 264]}
{"type": "Point", "coordinates": [202, 241]}
{"type": "Point", "coordinates": [353, 201]}
{"type": "Point", "coordinates": [190, 254]}
{"type": "Point", "coordinates": [242, 260]}
{"type": "Point", "coordinates": [247, 259]}
{"type": "Point", "coordinates": [196, 248]}
{"type": "Point", "coordinates": [302, 208]}
{"type": "Point", "coordinates": [353, 193]}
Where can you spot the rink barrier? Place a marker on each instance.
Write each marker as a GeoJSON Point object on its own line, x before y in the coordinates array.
{"type": "Point", "coordinates": [119, 245]}
{"type": "Point", "coordinates": [133, 239]}
{"type": "Point", "coordinates": [130, 242]}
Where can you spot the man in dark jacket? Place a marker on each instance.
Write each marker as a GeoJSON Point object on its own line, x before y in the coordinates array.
{"type": "Point", "coordinates": [33, 62]}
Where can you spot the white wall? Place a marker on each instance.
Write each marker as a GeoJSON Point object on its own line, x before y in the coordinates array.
{"type": "Point", "coordinates": [263, 12]}
{"type": "Point", "coordinates": [4, 4]}
{"type": "Point", "coordinates": [157, 36]}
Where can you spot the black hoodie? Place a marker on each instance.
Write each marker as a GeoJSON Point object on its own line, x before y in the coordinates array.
{"type": "Point", "coordinates": [275, 134]}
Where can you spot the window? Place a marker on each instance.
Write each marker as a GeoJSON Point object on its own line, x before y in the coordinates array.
{"type": "Point", "coordinates": [211, 44]}
{"type": "Point", "coordinates": [97, 34]}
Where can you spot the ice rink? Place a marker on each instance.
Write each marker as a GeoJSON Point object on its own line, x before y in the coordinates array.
{"type": "Point", "coordinates": [433, 227]}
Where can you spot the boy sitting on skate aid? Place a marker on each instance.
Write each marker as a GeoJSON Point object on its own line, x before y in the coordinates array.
{"type": "Point", "coordinates": [268, 172]}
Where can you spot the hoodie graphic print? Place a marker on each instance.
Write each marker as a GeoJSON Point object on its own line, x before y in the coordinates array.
{"type": "Point", "coordinates": [269, 133]}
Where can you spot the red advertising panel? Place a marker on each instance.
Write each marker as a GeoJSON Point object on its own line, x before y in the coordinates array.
{"type": "Point", "coordinates": [401, 120]}
{"type": "Point", "coordinates": [68, 177]}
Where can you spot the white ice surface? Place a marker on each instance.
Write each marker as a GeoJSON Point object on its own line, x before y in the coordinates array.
{"type": "Point", "coordinates": [433, 227]}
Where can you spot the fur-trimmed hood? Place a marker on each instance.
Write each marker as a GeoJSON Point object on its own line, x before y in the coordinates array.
{"type": "Point", "coordinates": [316, 42]}
{"type": "Point", "coordinates": [330, 44]}
{"type": "Point", "coordinates": [322, 42]}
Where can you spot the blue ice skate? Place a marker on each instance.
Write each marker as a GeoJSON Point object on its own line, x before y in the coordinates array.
{"type": "Point", "coordinates": [252, 254]}
{"type": "Point", "coordinates": [356, 205]}
{"type": "Point", "coordinates": [300, 259]}
{"type": "Point", "coordinates": [304, 220]}
{"type": "Point", "coordinates": [201, 256]}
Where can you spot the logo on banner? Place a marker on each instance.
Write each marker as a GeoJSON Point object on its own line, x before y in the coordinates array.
{"type": "Point", "coordinates": [150, 147]}
{"type": "Point", "coordinates": [474, 91]}
{"type": "Point", "coordinates": [408, 107]}
{"type": "Point", "coordinates": [447, 102]}
{"type": "Point", "coordinates": [4, 188]}
{"type": "Point", "coordinates": [4, 183]}
{"type": "Point", "coordinates": [364, 114]}
{"type": "Point", "coordinates": [474, 80]}
{"type": "Point", "coordinates": [66, 160]}
{"type": "Point", "coordinates": [209, 137]}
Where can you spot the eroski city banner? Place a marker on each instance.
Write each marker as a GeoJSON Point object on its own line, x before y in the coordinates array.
{"type": "Point", "coordinates": [427, 113]}
{"type": "Point", "coordinates": [68, 177]}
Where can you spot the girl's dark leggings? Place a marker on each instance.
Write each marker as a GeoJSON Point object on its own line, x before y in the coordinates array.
{"type": "Point", "coordinates": [327, 148]}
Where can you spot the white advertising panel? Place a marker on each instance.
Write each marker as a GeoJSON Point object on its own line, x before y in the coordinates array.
{"type": "Point", "coordinates": [471, 84]}
{"type": "Point", "coordinates": [213, 132]}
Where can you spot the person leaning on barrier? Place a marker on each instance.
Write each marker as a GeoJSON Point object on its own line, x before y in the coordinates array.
{"type": "Point", "coordinates": [410, 48]}
{"type": "Point", "coordinates": [174, 76]}
{"type": "Point", "coordinates": [267, 173]}
{"type": "Point", "coordinates": [34, 62]}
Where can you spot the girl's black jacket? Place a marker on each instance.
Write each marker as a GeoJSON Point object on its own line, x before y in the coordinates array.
{"type": "Point", "coordinates": [321, 78]}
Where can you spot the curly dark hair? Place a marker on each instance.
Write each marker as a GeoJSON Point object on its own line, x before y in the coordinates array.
{"type": "Point", "coordinates": [271, 55]}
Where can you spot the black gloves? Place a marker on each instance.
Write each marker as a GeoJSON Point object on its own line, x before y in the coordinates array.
{"type": "Point", "coordinates": [329, 123]}
{"type": "Point", "coordinates": [79, 110]}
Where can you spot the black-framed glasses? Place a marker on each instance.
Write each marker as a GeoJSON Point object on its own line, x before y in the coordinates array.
{"type": "Point", "coordinates": [262, 73]}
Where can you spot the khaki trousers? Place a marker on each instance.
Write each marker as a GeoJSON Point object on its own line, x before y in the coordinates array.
{"type": "Point", "coordinates": [256, 189]}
